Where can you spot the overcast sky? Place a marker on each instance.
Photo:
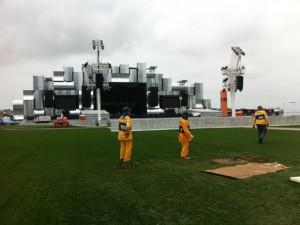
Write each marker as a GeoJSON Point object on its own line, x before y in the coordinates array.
{"type": "Point", "coordinates": [185, 39]}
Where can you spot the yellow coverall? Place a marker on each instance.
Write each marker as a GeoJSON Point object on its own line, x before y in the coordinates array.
{"type": "Point", "coordinates": [125, 138]}
{"type": "Point", "coordinates": [184, 136]}
{"type": "Point", "coordinates": [261, 120]}
{"type": "Point", "coordinates": [260, 117]}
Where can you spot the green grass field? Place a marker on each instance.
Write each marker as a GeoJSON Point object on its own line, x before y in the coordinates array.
{"type": "Point", "coordinates": [53, 176]}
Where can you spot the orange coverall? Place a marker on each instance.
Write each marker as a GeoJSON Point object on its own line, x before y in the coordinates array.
{"type": "Point", "coordinates": [184, 136]}
{"type": "Point", "coordinates": [125, 138]}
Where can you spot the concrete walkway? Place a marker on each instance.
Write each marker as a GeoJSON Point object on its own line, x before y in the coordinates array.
{"type": "Point", "coordinates": [284, 128]}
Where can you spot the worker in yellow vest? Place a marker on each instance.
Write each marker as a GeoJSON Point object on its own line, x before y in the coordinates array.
{"type": "Point", "coordinates": [184, 135]}
{"type": "Point", "coordinates": [125, 135]}
{"type": "Point", "coordinates": [261, 120]}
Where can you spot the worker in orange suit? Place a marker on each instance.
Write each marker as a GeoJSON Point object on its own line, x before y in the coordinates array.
{"type": "Point", "coordinates": [125, 135]}
{"type": "Point", "coordinates": [184, 135]}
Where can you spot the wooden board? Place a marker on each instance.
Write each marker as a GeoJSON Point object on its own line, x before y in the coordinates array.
{"type": "Point", "coordinates": [248, 170]}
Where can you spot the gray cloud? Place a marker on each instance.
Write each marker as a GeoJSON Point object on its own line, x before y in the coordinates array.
{"type": "Point", "coordinates": [186, 39]}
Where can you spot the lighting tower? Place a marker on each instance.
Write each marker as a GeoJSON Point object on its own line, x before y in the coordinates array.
{"type": "Point", "coordinates": [233, 73]}
{"type": "Point", "coordinates": [96, 45]}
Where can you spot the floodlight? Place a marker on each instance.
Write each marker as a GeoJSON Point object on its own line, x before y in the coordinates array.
{"type": "Point", "coordinates": [182, 82]}
{"type": "Point", "coordinates": [94, 44]}
{"type": "Point", "coordinates": [101, 44]}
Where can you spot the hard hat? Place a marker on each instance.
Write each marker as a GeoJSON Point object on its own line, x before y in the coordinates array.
{"type": "Point", "coordinates": [185, 114]}
{"type": "Point", "coordinates": [126, 110]}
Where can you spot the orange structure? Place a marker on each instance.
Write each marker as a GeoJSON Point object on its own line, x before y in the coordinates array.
{"type": "Point", "coordinates": [239, 113]}
{"type": "Point", "coordinates": [61, 122]}
{"type": "Point", "coordinates": [82, 117]}
{"type": "Point", "coordinates": [223, 102]}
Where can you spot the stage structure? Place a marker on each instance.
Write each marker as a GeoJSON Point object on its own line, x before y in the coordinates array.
{"type": "Point", "coordinates": [103, 90]}
{"type": "Point", "coordinates": [234, 79]}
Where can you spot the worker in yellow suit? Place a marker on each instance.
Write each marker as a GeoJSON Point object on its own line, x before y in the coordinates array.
{"type": "Point", "coordinates": [261, 120]}
{"type": "Point", "coordinates": [125, 135]}
{"type": "Point", "coordinates": [184, 135]}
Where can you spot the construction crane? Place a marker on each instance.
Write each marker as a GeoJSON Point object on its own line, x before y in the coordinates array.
{"type": "Point", "coordinates": [234, 79]}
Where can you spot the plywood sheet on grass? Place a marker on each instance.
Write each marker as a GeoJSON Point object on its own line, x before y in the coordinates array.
{"type": "Point", "coordinates": [241, 160]}
{"type": "Point", "coordinates": [248, 170]}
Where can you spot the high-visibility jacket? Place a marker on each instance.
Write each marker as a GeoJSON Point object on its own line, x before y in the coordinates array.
{"type": "Point", "coordinates": [124, 124]}
{"type": "Point", "coordinates": [184, 133]}
{"type": "Point", "coordinates": [260, 117]}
